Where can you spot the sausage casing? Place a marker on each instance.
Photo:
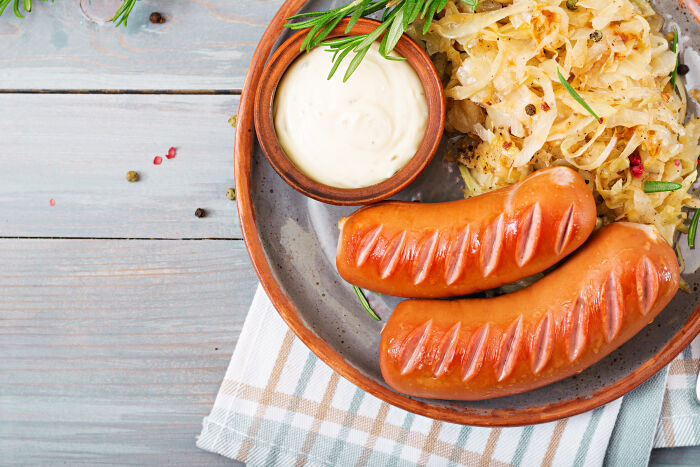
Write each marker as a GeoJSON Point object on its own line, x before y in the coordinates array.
{"type": "Point", "coordinates": [472, 349]}
{"type": "Point", "coordinates": [425, 250]}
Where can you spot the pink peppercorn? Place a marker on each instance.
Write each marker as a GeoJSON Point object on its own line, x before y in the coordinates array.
{"type": "Point", "coordinates": [157, 160]}
{"type": "Point", "coordinates": [635, 159]}
{"type": "Point", "coordinates": [677, 162]}
{"type": "Point", "coordinates": [171, 153]}
{"type": "Point", "coordinates": [637, 170]}
{"type": "Point", "coordinates": [52, 202]}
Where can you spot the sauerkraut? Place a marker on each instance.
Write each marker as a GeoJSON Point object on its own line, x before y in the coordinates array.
{"type": "Point", "coordinates": [499, 66]}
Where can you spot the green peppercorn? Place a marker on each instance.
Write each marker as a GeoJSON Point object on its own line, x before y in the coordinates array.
{"type": "Point", "coordinates": [231, 194]}
{"type": "Point", "coordinates": [571, 4]}
{"type": "Point", "coordinates": [132, 176]}
{"type": "Point", "coordinates": [233, 120]}
{"type": "Point", "coordinates": [596, 36]}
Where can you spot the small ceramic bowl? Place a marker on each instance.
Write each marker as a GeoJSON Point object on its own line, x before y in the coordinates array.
{"type": "Point", "coordinates": [265, 125]}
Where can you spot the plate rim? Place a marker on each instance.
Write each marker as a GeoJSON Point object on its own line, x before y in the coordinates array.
{"type": "Point", "coordinates": [243, 145]}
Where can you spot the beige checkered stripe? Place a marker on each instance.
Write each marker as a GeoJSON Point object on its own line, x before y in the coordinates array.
{"type": "Point", "coordinates": [286, 407]}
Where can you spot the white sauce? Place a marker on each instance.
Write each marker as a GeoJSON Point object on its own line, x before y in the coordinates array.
{"type": "Point", "coordinates": [351, 134]}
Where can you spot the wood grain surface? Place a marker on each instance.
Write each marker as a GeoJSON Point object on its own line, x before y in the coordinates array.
{"type": "Point", "coordinates": [76, 150]}
{"type": "Point", "coordinates": [113, 350]}
{"type": "Point", "coordinates": [202, 45]}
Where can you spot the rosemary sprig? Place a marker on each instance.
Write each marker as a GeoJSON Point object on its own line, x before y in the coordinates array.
{"type": "Point", "coordinates": [26, 4]}
{"type": "Point", "coordinates": [658, 187]}
{"type": "Point", "coordinates": [576, 96]}
{"type": "Point", "coordinates": [365, 304]}
{"type": "Point", "coordinates": [693, 228]}
{"type": "Point", "coordinates": [396, 16]}
{"type": "Point", "coordinates": [121, 15]}
{"type": "Point", "coordinates": [674, 49]}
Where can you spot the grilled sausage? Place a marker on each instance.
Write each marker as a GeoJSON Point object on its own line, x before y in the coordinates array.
{"type": "Point", "coordinates": [425, 250]}
{"type": "Point", "coordinates": [472, 349]}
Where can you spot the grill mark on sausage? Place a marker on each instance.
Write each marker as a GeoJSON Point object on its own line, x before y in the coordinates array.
{"type": "Point", "coordinates": [414, 347]}
{"type": "Point", "coordinates": [446, 350]}
{"type": "Point", "coordinates": [458, 257]}
{"type": "Point", "coordinates": [426, 255]}
{"type": "Point", "coordinates": [543, 343]}
{"type": "Point", "coordinates": [491, 246]}
{"type": "Point", "coordinates": [476, 353]}
{"type": "Point", "coordinates": [578, 332]}
{"type": "Point", "coordinates": [565, 229]}
{"type": "Point", "coordinates": [367, 244]}
{"type": "Point", "coordinates": [647, 285]}
{"type": "Point", "coordinates": [613, 306]}
{"type": "Point", "coordinates": [509, 349]}
{"type": "Point", "coordinates": [392, 255]}
{"type": "Point", "coordinates": [529, 235]}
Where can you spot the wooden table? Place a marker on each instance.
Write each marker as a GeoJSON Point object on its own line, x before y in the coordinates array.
{"type": "Point", "coordinates": [119, 309]}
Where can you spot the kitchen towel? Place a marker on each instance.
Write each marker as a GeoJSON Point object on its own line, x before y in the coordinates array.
{"type": "Point", "coordinates": [280, 405]}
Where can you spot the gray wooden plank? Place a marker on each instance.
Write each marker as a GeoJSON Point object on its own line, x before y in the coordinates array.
{"type": "Point", "coordinates": [112, 351]}
{"type": "Point", "coordinates": [202, 45]}
{"type": "Point", "coordinates": [76, 150]}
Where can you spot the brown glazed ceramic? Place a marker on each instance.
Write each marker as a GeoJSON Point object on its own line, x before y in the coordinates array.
{"type": "Point", "coordinates": [265, 125]}
{"type": "Point", "coordinates": [291, 242]}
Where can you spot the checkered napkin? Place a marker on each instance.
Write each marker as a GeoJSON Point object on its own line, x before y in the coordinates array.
{"type": "Point", "coordinates": [280, 405]}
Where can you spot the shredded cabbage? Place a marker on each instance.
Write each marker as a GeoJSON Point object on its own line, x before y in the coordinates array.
{"type": "Point", "coordinates": [504, 58]}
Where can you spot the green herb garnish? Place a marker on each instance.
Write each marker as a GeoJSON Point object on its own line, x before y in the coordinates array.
{"type": "Point", "coordinates": [365, 304]}
{"type": "Point", "coordinates": [657, 187]}
{"type": "Point", "coordinates": [576, 96]}
{"type": "Point", "coordinates": [674, 47]}
{"type": "Point", "coordinates": [693, 228]}
{"type": "Point", "coordinates": [397, 15]}
{"type": "Point", "coordinates": [122, 14]}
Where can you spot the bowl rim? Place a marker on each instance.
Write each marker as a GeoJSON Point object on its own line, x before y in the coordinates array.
{"type": "Point", "coordinates": [271, 76]}
{"type": "Point", "coordinates": [244, 142]}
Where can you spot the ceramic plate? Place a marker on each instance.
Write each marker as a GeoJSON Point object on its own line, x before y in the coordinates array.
{"type": "Point", "coordinates": [292, 240]}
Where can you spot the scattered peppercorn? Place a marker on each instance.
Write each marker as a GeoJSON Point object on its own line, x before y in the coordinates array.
{"type": "Point", "coordinates": [231, 194]}
{"type": "Point", "coordinates": [156, 18]}
{"type": "Point", "coordinates": [200, 212]}
{"type": "Point", "coordinates": [52, 202]}
{"type": "Point", "coordinates": [233, 120]}
{"type": "Point", "coordinates": [545, 107]}
{"type": "Point", "coordinates": [683, 69]}
{"type": "Point", "coordinates": [171, 153]}
{"type": "Point", "coordinates": [596, 36]}
{"type": "Point", "coordinates": [571, 4]}
{"type": "Point", "coordinates": [530, 109]}
{"type": "Point", "coordinates": [635, 159]}
{"type": "Point", "coordinates": [132, 176]}
{"type": "Point", "coordinates": [677, 162]}
{"type": "Point", "coordinates": [157, 160]}
{"type": "Point", "coordinates": [507, 145]}
{"type": "Point", "coordinates": [637, 170]}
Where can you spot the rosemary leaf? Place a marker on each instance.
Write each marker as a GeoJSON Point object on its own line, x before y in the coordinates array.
{"type": "Point", "coordinates": [576, 96]}
{"type": "Point", "coordinates": [356, 15]}
{"type": "Point", "coordinates": [674, 49]}
{"type": "Point", "coordinates": [693, 228]}
{"type": "Point", "coordinates": [365, 304]}
{"type": "Point", "coordinates": [658, 187]}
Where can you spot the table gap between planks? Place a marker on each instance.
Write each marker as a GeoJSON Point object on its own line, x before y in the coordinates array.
{"type": "Point", "coordinates": [119, 309]}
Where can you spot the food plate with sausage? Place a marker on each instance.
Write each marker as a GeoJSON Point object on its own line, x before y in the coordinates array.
{"type": "Point", "coordinates": [604, 320]}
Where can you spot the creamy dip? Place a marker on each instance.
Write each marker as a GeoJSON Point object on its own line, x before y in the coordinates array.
{"type": "Point", "coordinates": [351, 134]}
